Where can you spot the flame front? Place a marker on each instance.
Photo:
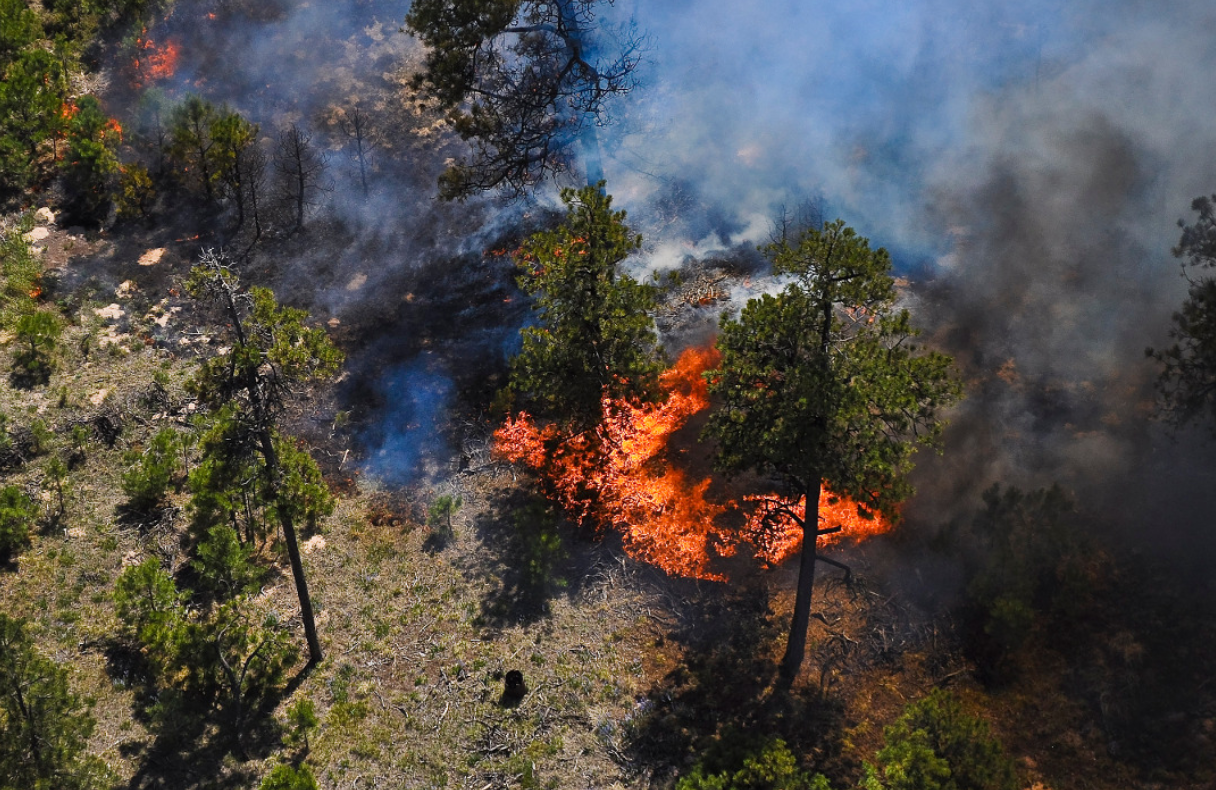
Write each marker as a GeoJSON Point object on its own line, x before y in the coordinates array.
{"type": "Point", "coordinates": [622, 476]}
{"type": "Point", "coordinates": [152, 62]}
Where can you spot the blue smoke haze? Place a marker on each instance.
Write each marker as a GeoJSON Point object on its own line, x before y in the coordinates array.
{"type": "Point", "coordinates": [407, 434]}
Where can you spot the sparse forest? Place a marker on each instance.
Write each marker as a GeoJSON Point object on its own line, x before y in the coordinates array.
{"type": "Point", "coordinates": [352, 435]}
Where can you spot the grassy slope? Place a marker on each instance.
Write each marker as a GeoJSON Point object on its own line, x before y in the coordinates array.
{"type": "Point", "coordinates": [630, 674]}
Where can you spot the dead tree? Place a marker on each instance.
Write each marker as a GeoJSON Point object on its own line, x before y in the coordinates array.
{"type": "Point", "coordinates": [354, 126]}
{"type": "Point", "coordinates": [301, 170]}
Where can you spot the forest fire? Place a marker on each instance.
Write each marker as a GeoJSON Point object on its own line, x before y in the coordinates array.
{"type": "Point", "coordinates": [154, 63]}
{"type": "Point", "coordinates": [622, 476]}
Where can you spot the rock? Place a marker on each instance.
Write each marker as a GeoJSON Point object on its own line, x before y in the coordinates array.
{"type": "Point", "coordinates": [151, 257]}
{"type": "Point", "coordinates": [37, 234]}
{"type": "Point", "coordinates": [125, 290]}
{"type": "Point", "coordinates": [45, 215]}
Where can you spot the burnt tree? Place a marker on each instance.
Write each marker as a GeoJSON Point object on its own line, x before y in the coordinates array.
{"type": "Point", "coordinates": [300, 166]}
{"type": "Point", "coordinates": [354, 125]}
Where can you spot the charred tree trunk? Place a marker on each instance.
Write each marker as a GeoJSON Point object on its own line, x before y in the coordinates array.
{"type": "Point", "coordinates": [354, 126]}
{"type": "Point", "coordinates": [301, 168]}
{"type": "Point", "coordinates": [795, 650]}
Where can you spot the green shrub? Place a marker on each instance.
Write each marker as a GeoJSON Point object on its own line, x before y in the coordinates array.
{"type": "Point", "coordinates": [740, 762]}
{"type": "Point", "coordinates": [41, 437]}
{"type": "Point", "coordinates": [1028, 562]}
{"type": "Point", "coordinates": [17, 513]}
{"type": "Point", "coordinates": [20, 270]}
{"type": "Point", "coordinates": [936, 745]}
{"type": "Point", "coordinates": [285, 777]}
{"type": "Point", "coordinates": [150, 608]}
{"type": "Point", "coordinates": [153, 472]}
{"type": "Point", "coordinates": [136, 193]}
{"type": "Point", "coordinates": [540, 545]}
{"type": "Point", "coordinates": [41, 330]}
{"type": "Point", "coordinates": [302, 722]}
{"type": "Point", "coordinates": [439, 514]}
{"type": "Point", "coordinates": [44, 726]}
{"type": "Point", "coordinates": [224, 565]}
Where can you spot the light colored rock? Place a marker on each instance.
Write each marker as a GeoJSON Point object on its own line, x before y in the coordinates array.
{"type": "Point", "coordinates": [125, 290]}
{"type": "Point", "coordinates": [111, 312]}
{"type": "Point", "coordinates": [357, 282]}
{"type": "Point", "coordinates": [98, 397]}
{"type": "Point", "coordinates": [151, 257]}
{"type": "Point", "coordinates": [44, 214]}
{"type": "Point", "coordinates": [37, 234]}
{"type": "Point", "coordinates": [315, 543]}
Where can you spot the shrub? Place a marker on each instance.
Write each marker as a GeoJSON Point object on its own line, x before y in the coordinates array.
{"type": "Point", "coordinates": [136, 193]}
{"type": "Point", "coordinates": [41, 330]}
{"type": "Point", "coordinates": [224, 565]}
{"type": "Point", "coordinates": [303, 721]}
{"type": "Point", "coordinates": [44, 726]}
{"type": "Point", "coordinates": [936, 745]}
{"type": "Point", "coordinates": [150, 607]}
{"type": "Point", "coordinates": [746, 763]}
{"type": "Point", "coordinates": [17, 512]}
{"type": "Point", "coordinates": [1028, 563]}
{"type": "Point", "coordinates": [285, 777]}
{"type": "Point", "coordinates": [439, 514]}
{"type": "Point", "coordinates": [152, 472]}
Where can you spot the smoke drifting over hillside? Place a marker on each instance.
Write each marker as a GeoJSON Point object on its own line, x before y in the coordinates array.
{"type": "Point", "coordinates": [1025, 163]}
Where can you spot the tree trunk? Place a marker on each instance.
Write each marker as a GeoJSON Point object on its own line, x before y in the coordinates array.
{"type": "Point", "coordinates": [293, 552]}
{"type": "Point", "coordinates": [795, 649]}
{"type": "Point", "coordinates": [589, 138]}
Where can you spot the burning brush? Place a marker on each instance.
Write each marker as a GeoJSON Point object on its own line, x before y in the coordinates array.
{"type": "Point", "coordinates": [621, 476]}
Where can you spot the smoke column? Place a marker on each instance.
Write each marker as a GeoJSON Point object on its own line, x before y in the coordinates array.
{"type": "Point", "coordinates": [1025, 164]}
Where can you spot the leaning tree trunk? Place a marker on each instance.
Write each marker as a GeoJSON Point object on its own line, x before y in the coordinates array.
{"type": "Point", "coordinates": [795, 650]}
{"type": "Point", "coordinates": [293, 552]}
{"type": "Point", "coordinates": [271, 457]}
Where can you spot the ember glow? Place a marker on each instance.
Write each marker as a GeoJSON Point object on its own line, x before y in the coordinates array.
{"type": "Point", "coordinates": [154, 62]}
{"type": "Point", "coordinates": [625, 476]}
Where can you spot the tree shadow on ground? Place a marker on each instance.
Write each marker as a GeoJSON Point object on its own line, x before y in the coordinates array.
{"type": "Point", "coordinates": [29, 371]}
{"type": "Point", "coordinates": [726, 681]}
{"type": "Point", "coordinates": [533, 555]}
{"type": "Point", "coordinates": [192, 741]}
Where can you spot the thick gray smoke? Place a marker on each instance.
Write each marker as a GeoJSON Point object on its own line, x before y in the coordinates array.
{"type": "Point", "coordinates": [1025, 163]}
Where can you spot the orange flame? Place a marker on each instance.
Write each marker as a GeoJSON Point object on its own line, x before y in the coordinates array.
{"type": "Point", "coordinates": [114, 127]}
{"type": "Point", "coordinates": [622, 476]}
{"type": "Point", "coordinates": [152, 63]}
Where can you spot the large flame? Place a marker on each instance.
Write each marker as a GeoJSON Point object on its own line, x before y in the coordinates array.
{"type": "Point", "coordinates": [622, 475]}
{"type": "Point", "coordinates": [154, 62]}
